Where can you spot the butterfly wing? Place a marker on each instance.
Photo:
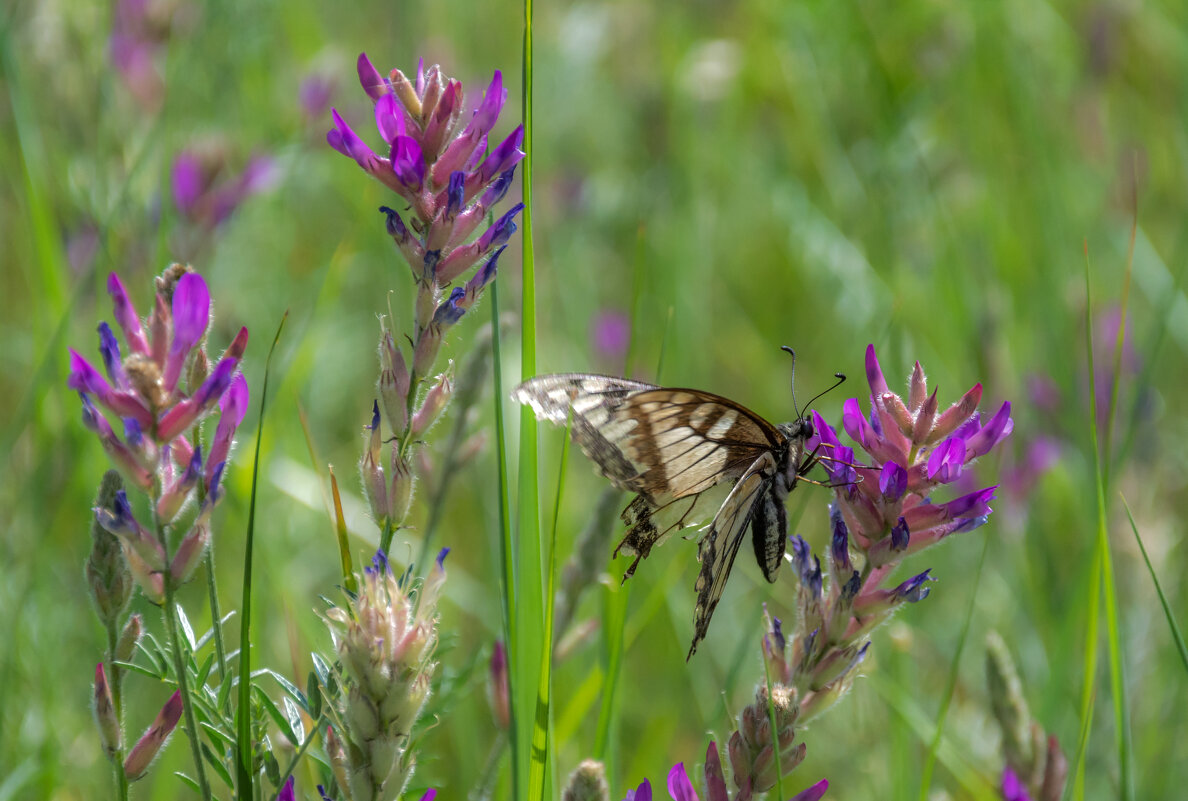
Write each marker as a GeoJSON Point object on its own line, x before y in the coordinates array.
{"type": "Point", "coordinates": [719, 545]}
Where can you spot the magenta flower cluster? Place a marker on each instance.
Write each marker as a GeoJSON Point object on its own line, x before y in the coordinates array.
{"type": "Point", "coordinates": [143, 392]}
{"type": "Point", "coordinates": [437, 163]}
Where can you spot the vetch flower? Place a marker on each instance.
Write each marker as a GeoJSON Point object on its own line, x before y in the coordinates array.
{"type": "Point", "coordinates": [385, 644]}
{"type": "Point", "coordinates": [206, 190]}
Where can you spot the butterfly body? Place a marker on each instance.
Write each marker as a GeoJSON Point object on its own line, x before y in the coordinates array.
{"type": "Point", "coordinates": [672, 447]}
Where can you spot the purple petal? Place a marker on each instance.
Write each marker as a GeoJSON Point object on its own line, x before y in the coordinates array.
{"type": "Point", "coordinates": [994, 432]}
{"type": "Point", "coordinates": [813, 793]}
{"type": "Point", "coordinates": [125, 315]}
{"type": "Point", "coordinates": [456, 194]}
{"type": "Point", "coordinates": [500, 230]}
{"type": "Point", "coordinates": [914, 589]}
{"type": "Point", "coordinates": [345, 141]}
{"type": "Point", "coordinates": [975, 504]}
{"type": "Point", "coordinates": [679, 786]}
{"type": "Point", "coordinates": [109, 349]}
{"type": "Point", "coordinates": [1012, 788]}
{"type": "Point", "coordinates": [840, 540]}
{"type": "Point", "coordinates": [855, 423]}
{"type": "Point", "coordinates": [900, 535]}
{"type": "Point", "coordinates": [389, 118]}
{"type": "Point", "coordinates": [191, 309]}
{"type": "Point", "coordinates": [641, 793]}
{"type": "Point", "coordinates": [487, 113]}
{"type": "Point", "coordinates": [287, 793]}
{"type": "Point", "coordinates": [233, 405]}
{"type": "Point", "coordinates": [874, 373]}
{"type": "Point", "coordinates": [370, 78]}
{"type": "Point", "coordinates": [429, 795]}
{"type": "Point", "coordinates": [505, 156]}
{"type": "Point", "coordinates": [893, 481]}
{"type": "Point", "coordinates": [408, 162]}
{"type": "Point", "coordinates": [944, 465]}
{"type": "Point", "coordinates": [85, 378]}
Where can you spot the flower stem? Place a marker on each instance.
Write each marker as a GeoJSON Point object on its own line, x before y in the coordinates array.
{"type": "Point", "coordinates": [169, 612]}
{"type": "Point", "coordinates": [117, 678]}
{"type": "Point", "coordinates": [216, 617]}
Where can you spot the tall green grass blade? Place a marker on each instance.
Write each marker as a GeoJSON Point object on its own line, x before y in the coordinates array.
{"type": "Point", "coordinates": [1167, 610]}
{"type": "Point", "coordinates": [244, 780]}
{"type": "Point", "coordinates": [341, 537]}
{"type": "Point", "coordinates": [524, 649]}
{"type": "Point", "coordinates": [1119, 340]}
{"type": "Point", "coordinates": [951, 684]}
{"type": "Point", "coordinates": [541, 753]}
{"type": "Point", "coordinates": [506, 546]}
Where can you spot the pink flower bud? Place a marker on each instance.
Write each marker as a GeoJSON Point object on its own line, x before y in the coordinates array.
{"type": "Point", "coordinates": [435, 402]}
{"type": "Point", "coordinates": [189, 554]}
{"type": "Point", "coordinates": [143, 753]}
{"type": "Point", "coordinates": [105, 715]}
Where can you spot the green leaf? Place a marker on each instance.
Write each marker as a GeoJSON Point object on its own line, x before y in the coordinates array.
{"type": "Point", "coordinates": [185, 627]}
{"type": "Point", "coordinates": [295, 721]}
{"type": "Point", "coordinates": [217, 765]}
{"type": "Point", "coordinates": [278, 718]}
{"type": "Point", "coordinates": [1167, 610]}
{"type": "Point", "coordinates": [321, 668]}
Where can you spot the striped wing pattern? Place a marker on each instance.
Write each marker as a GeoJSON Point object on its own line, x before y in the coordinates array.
{"type": "Point", "coordinates": [671, 446]}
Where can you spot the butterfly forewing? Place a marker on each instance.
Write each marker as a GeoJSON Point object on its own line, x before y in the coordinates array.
{"type": "Point", "coordinates": [671, 446]}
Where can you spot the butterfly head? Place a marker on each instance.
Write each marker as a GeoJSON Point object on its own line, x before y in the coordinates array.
{"type": "Point", "coordinates": [798, 430]}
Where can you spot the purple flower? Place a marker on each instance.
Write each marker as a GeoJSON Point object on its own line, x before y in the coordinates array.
{"type": "Point", "coordinates": [1013, 788]}
{"type": "Point", "coordinates": [146, 396]}
{"type": "Point", "coordinates": [287, 792]}
{"type": "Point", "coordinates": [610, 333]}
{"type": "Point", "coordinates": [433, 162]}
{"type": "Point", "coordinates": [205, 189]}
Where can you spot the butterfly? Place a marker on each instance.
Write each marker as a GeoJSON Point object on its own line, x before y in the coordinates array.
{"type": "Point", "coordinates": [672, 446]}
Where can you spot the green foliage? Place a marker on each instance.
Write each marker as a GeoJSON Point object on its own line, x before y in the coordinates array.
{"type": "Point", "coordinates": [731, 177]}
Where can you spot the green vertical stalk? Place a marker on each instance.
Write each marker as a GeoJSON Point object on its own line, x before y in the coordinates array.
{"type": "Point", "coordinates": [244, 779]}
{"type": "Point", "coordinates": [506, 546]}
{"type": "Point", "coordinates": [115, 682]}
{"type": "Point", "coordinates": [524, 650]}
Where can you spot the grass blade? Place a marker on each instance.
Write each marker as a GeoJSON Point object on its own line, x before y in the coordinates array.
{"type": "Point", "coordinates": [243, 750]}
{"type": "Point", "coordinates": [1167, 610]}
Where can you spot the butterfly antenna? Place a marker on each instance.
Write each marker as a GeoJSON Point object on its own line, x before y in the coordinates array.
{"type": "Point", "coordinates": [841, 379]}
{"type": "Point", "coordinates": [792, 353]}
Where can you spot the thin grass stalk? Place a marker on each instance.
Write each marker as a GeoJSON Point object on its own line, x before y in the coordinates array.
{"type": "Point", "coordinates": [540, 731]}
{"type": "Point", "coordinates": [506, 546]}
{"type": "Point", "coordinates": [951, 684]}
{"type": "Point", "coordinates": [1120, 337]}
{"type": "Point", "coordinates": [243, 747]}
{"type": "Point", "coordinates": [1167, 610]}
{"type": "Point", "coordinates": [524, 649]}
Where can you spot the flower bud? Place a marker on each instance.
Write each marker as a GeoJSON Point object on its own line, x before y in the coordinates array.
{"type": "Point", "coordinates": [425, 353]}
{"type": "Point", "coordinates": [105, 715]}
{"type": "Point", "coordinates": [497, 687]}
{"type": "Point", "coordinates": [587, 783]}
{"type": "Point", "coordinates": [142, 754]}
{"type": "Point", "coordinates": [374, 484]}
{"type": "Point", "coordinates": [393, 385]}
{"type": "Point", "coordinates": [126, 644]}
{"type": "Point", "coordinates": [189, 554]}
{"type": "Point", "coordinates": [108, 577]}
{"type": "Point", "coordinates": [435, 401]}
{"type": "Point", "coordinates": [401, 490]}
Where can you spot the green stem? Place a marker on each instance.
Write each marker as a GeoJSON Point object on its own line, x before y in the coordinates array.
{"type": "Point", "coordinates": [309, 738]}
{"type": "Point", "coordinates": [117, 701]}
{"type": "Point", "coordinates": [169, 612]}
{"type": "Point", "coordinates": [216, 616]}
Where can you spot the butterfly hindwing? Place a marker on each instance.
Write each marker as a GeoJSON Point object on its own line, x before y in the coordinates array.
{"type": "Point", "coordinates": [719, 545]}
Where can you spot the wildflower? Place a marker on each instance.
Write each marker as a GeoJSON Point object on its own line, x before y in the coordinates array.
{"type": "Point", "coordinates": [146, 749]}
{"type": "Point", "coordinates": [610, 332]}
{"type": "Point", "coordinates": [385, 645]}
{"type": "Point", "coordinates": [144, 391]}
{"type": "Point", "coordinates": [287, 793]}
{"type": "Point", "coordinates": [205, 189]}
{"type": "Point", "coordinates": [680, 786]}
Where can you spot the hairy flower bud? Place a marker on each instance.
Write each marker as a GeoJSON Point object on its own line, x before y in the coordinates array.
{"type": "Point", "coordinates": [106, 719]}
{"type": "Point", "coordinates": [149, 745]}
{"type": "Point", "coordinates": [108, 577]}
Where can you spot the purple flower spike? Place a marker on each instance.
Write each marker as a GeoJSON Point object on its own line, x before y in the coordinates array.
{"type": "Point", "coordinates": [679, 786]}
{"type": "Point", "coordinates": [374, 84]}
{"type": "Point", "coordinates": [944, 465]}
{"type": "Point", "coordinates": [125, 314]}
{"type": "Point", "coordinates": [191, 316]}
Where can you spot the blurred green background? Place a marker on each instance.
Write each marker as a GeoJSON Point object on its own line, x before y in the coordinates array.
{"type": "Point", "coordinates": [922, 175]}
